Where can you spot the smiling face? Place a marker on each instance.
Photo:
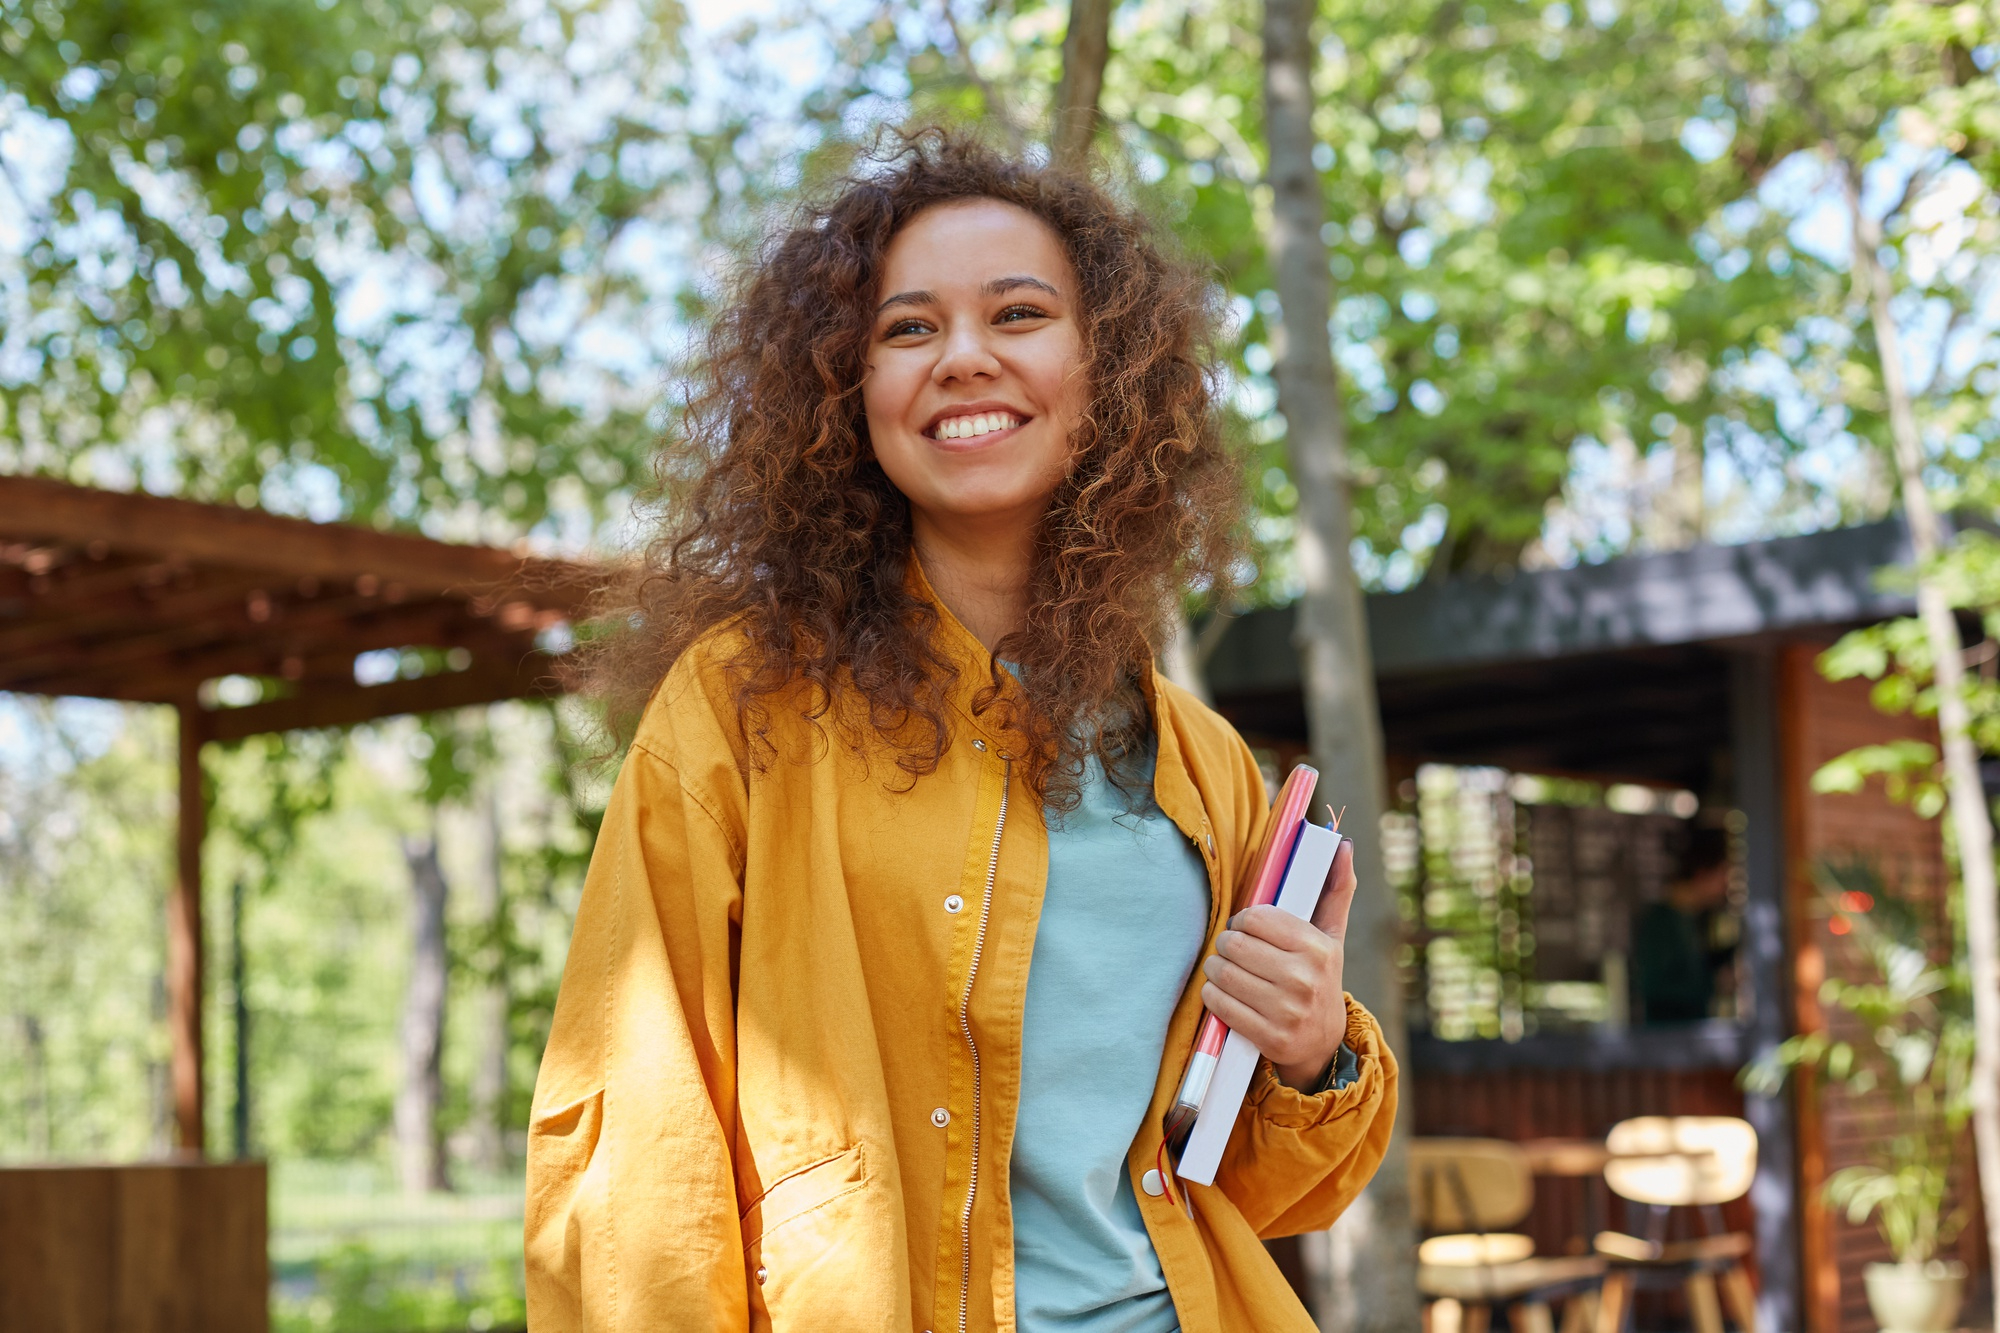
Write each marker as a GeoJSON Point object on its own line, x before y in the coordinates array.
{"type": "Point", "coordinates": [974, 376]}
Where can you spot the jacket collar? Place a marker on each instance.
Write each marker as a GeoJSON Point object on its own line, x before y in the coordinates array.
{"type": "Point", "coordinates": [974, 662]}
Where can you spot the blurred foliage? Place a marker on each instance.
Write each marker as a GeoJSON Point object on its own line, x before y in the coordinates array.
{"type": "Point", "coordinates": [311, 829]}
{"type": "Point", "coordinates": [443, 252]}
{"type": "Point", "coordinates": [1552, 241]}
{"type": "Point", "coordinates": [1899, 103]}
{"type": "Point", "coordinates": [431, 266]}
{"type": "Point", "coordinates": [1907, 1030]}
{"type": "Point", "coordinates": [359, 1292]}
{"type": "Point", "coordinates": [388, 261]}
{"type": "Point", "coordinates": [86, 823]}
{"type": "Point", "coordinates": [350, 1251]}
{"type": "Point", "coordinates": [1896, 655]}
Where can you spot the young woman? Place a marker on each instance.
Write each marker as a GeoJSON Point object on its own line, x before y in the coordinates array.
{"type": "Point", "coordinates": [883, 977]}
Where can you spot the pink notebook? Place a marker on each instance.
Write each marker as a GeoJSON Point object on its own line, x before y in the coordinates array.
{"type": "Point", "coordinates": [1291, 871]}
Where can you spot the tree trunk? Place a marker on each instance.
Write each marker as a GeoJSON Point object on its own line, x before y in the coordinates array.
{"type": "Point", "coordinates": [419, 1144]}
{"type": "Point", "coordinates": [1971, 820]}
{"type": "Point", "coordinates": [1086, 50]}
{"type": "Point", "coordinates": [489, 1075]}
{"type": "Point", "coordinates": [1374, 1242]}
{"type": "Point", "coordinates": [239, 1011]}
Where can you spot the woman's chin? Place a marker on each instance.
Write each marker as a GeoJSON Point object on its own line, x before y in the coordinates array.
{"type": "Point", "coordinates": [988, 506]}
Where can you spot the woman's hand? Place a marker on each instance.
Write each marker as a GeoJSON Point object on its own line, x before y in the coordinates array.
{"type": "Point", "coordinates": [1277, 979]}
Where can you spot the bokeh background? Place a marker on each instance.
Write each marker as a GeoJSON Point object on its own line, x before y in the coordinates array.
{"type": "Point", "coordinates": [435, 267]}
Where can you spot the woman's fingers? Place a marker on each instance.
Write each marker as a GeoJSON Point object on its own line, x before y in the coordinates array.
{"type": "Point", "coordinates": [1277, 980]}
{"type": "Point", "coordinates": [1242, 1018]}
{"type": "Point", "coordinates": [1337, 898]}
{"type": "Point", "coordinates": [1268, 994]}
{"type": "Point", "coordinates": [1279, 928]}
{"type": "Point", "coordinates": [1273, 960]}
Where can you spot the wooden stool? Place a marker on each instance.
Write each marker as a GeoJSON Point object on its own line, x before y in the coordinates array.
{"type": "Point", "coordinates": [1668, 1162]}
{"type": "Point", "coordinates": [1471, 1190]}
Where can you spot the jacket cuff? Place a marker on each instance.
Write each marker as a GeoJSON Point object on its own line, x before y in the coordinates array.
{"type": "Point", "coordinates": [1289, 1108]}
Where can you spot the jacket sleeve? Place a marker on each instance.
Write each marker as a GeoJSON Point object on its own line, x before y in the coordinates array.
{"type": "Point", "coordinates": [1295, 1162]}
{"type": "Point", "coordinates": [631, 1203]}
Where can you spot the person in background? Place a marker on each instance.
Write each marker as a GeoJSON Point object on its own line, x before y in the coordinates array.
{"type": "Point", "coordinates": [1675, 966]}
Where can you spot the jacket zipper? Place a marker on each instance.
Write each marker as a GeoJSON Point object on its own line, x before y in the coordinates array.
{"type": "Point", "coordinates": [965, 1026]}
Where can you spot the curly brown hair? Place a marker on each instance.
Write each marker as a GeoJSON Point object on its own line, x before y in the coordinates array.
{"type": "Point", "coordinates": [777, 519]}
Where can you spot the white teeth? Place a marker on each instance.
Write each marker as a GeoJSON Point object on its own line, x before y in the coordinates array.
{"type": "Point", "coordinates": [984, 423]}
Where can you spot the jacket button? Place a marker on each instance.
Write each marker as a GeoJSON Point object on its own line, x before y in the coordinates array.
{"type": "Point", "coordinates": [1152, 1184]}
{"type": "Point", "coordinates": [940, 1117]}
{"type": "Point", "coordinates": [954, 904]}
{"type": "Point", "coordinates": [978, 744]}
{"type": "Point", "coordinates": [1211, 844]}
{"type": "Point", "coordinates": [761, 1274]}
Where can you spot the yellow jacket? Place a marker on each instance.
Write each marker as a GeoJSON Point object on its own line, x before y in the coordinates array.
{"type": "Point", "coordinates": [780, 1087]}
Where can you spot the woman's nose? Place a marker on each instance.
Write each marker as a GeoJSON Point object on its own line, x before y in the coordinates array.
{"type": "Point", "coordinates": [966, 356]}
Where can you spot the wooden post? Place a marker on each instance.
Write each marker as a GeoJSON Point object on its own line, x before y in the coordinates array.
{"type": "Point", "coordinates": [1757, 758]}
{"type": "Point", "coordinates": [184, 947]}
{"type": "Point", "coordinates": [1819, 1273]}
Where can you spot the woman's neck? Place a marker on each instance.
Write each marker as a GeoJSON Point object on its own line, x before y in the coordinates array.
{"type": "Point", "coordinates": [981, 576]}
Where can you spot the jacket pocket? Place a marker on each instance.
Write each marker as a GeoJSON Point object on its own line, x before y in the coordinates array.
{"type": "Point", "coordinates": [563, 1139]}
{"type": "Point", "coordinates": [820, 1249]}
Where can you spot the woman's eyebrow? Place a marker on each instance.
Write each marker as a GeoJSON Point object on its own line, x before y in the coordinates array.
{"type": "Point", "coordinates": [1000, 286]}
{"type": "Point", "coordinates": [991, 287]}
{"type": "Point", "coordinates": [909, 298]}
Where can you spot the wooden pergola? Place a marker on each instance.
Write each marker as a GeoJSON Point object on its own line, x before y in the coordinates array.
{"type": "Point", "coordinates": [151, 600]}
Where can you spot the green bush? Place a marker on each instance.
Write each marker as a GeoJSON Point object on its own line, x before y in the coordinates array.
{"type": "Point", "coordinates": [354, 1289]}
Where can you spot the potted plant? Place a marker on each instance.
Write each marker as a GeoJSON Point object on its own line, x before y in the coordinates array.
{"type": "Point", "coordinates": [1917, 1017]}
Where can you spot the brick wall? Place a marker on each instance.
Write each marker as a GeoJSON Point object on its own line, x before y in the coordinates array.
{"type": "Point", "coordinates": [1821, 719]}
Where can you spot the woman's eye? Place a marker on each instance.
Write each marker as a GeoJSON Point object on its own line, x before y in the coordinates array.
{"type": "Point", "coordinates": [1014, 313]}
{"type": "Point", "coordinates": [904, 327]}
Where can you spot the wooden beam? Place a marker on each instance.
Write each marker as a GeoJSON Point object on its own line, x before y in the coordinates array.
{"type": "Point", "coordinates": [321, 669]}
{"type": "Point", "coordinates": [97, 606]}
{"type": "Point", "coordinates": [235, 609]}
{"type": "Point", "coordinates": [37, 509]}
{"type": "Point", "coordinates": [150, 664]}
{"type": "Point", "coordinates": [535, 676]}
{"type": "Point", "coordinates": [184, 941]}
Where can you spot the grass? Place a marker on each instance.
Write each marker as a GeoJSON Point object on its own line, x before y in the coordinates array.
{"type": "Point", "coordinates": [351, 1253]}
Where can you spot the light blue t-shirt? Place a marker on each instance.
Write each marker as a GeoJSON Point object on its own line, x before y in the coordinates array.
{"type": "Point", "coordinates": [1123, 922]}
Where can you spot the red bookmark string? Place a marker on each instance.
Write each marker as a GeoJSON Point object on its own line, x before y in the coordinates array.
{"type": "Point", "coordinates": [1164, 1165]}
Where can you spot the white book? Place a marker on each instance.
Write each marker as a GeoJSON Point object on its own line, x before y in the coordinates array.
{"type": "Point", "coordinates": [1312, 858]}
